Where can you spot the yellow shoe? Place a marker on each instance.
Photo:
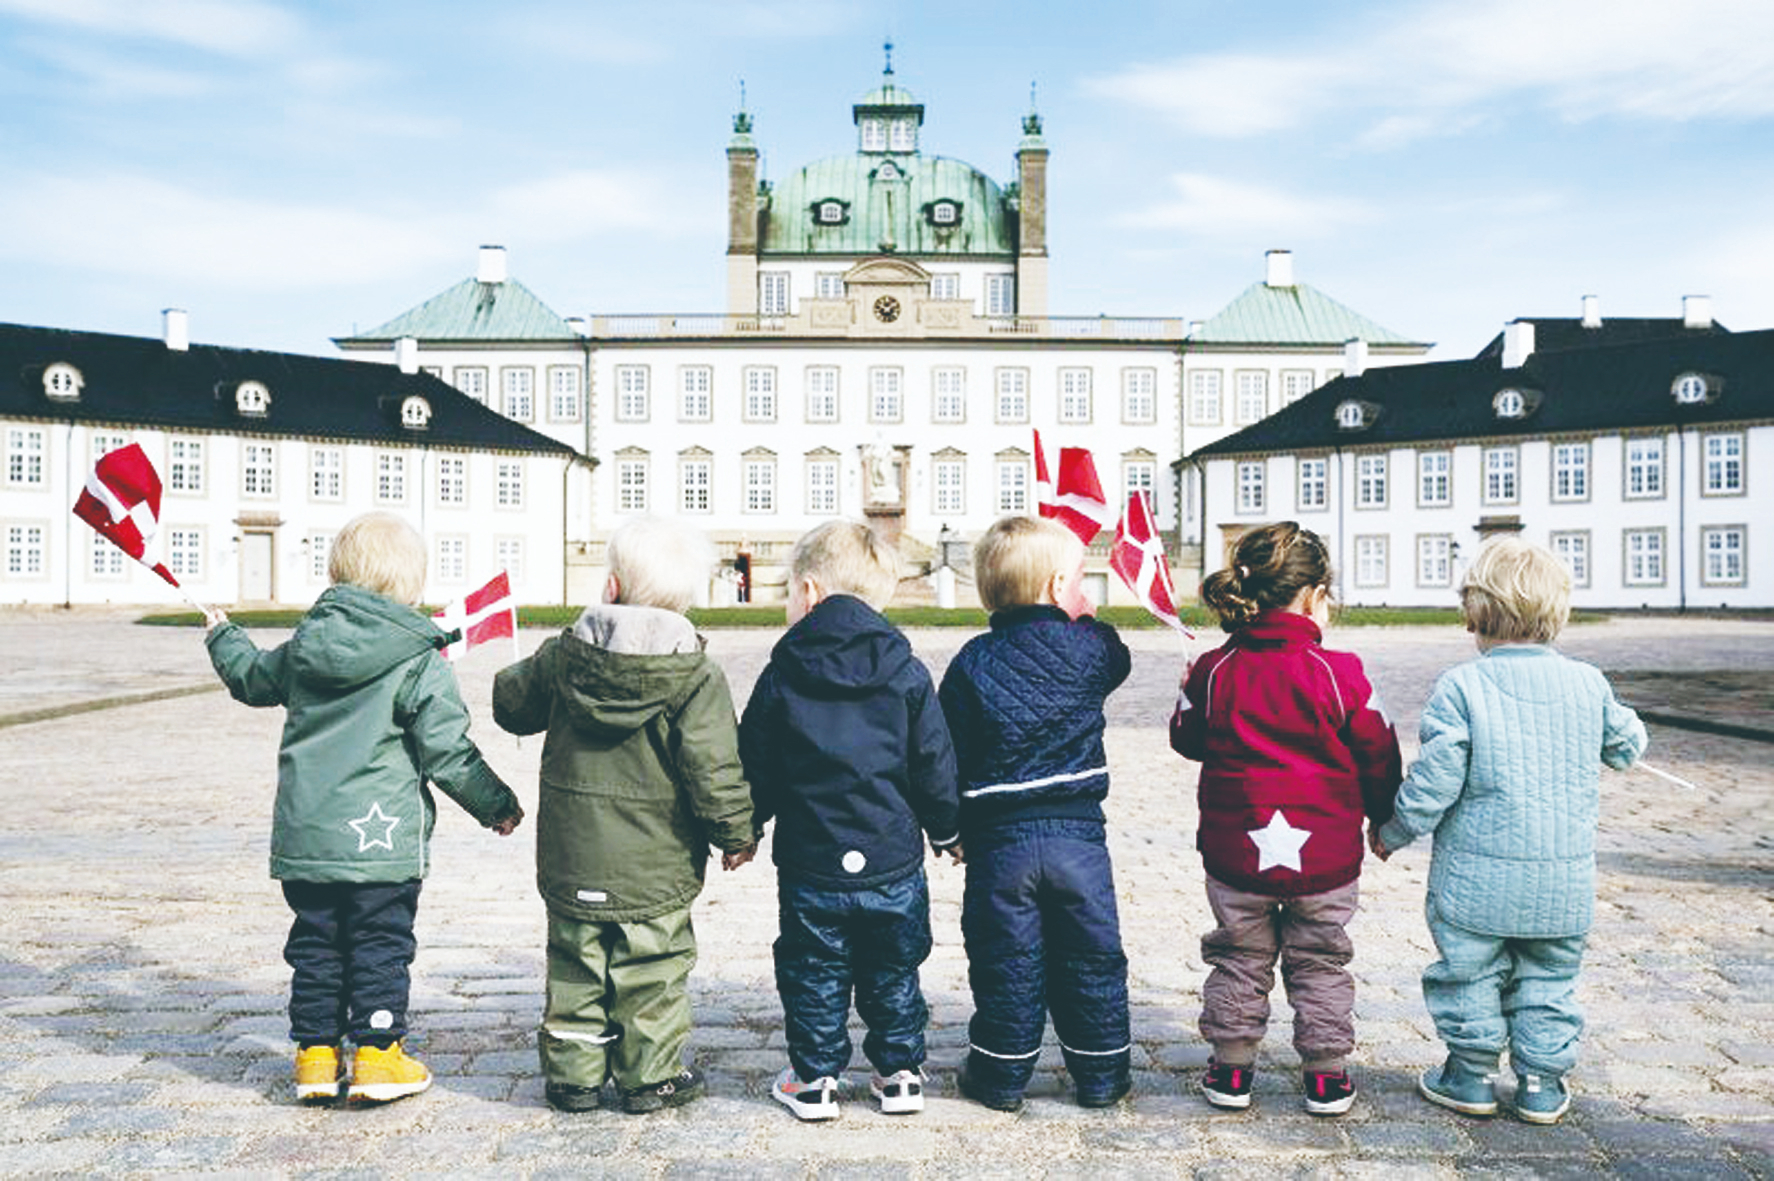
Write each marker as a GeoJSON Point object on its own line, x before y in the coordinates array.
{"type": "Point", "coordinates": [318, 1074]}
{"type": "Point", "coordinates": [382, 1076]}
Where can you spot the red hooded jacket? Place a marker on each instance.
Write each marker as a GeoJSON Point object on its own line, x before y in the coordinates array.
{"type": "Point", "coordinates": [1295, 748]}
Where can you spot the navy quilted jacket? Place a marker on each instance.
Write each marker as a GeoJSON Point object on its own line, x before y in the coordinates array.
{"type": "Point", "coordinates": [1024, 703]}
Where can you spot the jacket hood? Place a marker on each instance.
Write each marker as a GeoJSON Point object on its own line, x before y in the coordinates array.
{"type": "Point", "coordinates": [842, 647]}
{"type": "Point", "coordinates": [1272, 629]}
{"type": "Point", "coordinates": [622, 666]}
{"type": "Point", "coordinates": [352, 636]}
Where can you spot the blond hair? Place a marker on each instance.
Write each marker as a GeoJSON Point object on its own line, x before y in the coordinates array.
{"type": "Point", "coordinates": [1516, 593]}
{"type": "Point", "coordinates": [847, 558]}
{"type": "Point", "coordinates": [659, 562]}
{"type": "Point", "coordinates": [1017, 557]}
{"type": "Point", "coordinates": [379, 552]}
{"type": "Point", "coordinates": [1265, 571]}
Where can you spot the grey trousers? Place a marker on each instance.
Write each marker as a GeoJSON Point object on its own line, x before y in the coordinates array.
{"type": "Point", "coordinates": [1307, 935]}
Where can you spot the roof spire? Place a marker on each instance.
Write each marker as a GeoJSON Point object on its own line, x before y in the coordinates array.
{"type": "Point", "coordinates": [742, 119]}
{"type": "Point", "coordinates": [887, 45]}
{"type": "Point", "coordinates": [1032, 121]}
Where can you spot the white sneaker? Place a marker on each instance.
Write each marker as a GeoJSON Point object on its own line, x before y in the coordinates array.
{"type": "Point", "coordinates": [901, 1093]}
{"type": "Point", "coordinates": [816, 1100]}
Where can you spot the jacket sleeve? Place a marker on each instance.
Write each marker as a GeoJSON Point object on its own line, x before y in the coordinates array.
{"type": "Point", "coordinates": [523, 695]}
{"type": "Point", "coordinates": [1117, 660]}
{"type": "Point", "coordinates": [1373, 740]}
{"type": "Point", "coordinates": [1438, 776]}
{"type": "Point", "coordinates": [931, 763]}
{"type": "Point", "coordinates": [756, 749]}
{"type": "Point", "coordinates": [1188, 724]}
{"type": "Point", "coordinates": [436, 721]}
{"type": "Point", "coordinates": [253, 676]}
{"type": "Point", "coordinates": [705, 741]}
{"type": "Point", "coordinates": [1623, 734]}
{"type": "Point", "coordinates": [955, 696]}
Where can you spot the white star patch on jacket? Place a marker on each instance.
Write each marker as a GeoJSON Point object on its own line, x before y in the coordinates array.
{"type": "Point", "coordinates": [374, 816]}
{"type": "Point", "coordinates": [1278, 843]}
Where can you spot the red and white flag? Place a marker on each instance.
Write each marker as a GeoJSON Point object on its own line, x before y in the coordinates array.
{"type": "Point", "coordinates": [485, 614]}
{"type": "Point", "coordinates": [122, 501]}
{"type": "Point", "coordinates": [1138, 557]}
{"type": "Point", "coordinates": [1076, 498]}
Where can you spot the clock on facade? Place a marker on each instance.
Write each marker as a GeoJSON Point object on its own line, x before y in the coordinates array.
{"type": "Point", "coordinates": [886, 309]}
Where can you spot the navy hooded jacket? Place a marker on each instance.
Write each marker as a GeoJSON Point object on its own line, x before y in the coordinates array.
{"type": "Point", "coordinates": [844, 744]}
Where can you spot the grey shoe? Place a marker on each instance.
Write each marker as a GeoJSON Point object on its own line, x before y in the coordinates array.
{"type": "Point", "coordinates": [1456, 1086]}
{"type": "Point", "coordinates": [1541, 1098]}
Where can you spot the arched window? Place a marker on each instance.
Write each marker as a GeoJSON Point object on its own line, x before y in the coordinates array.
{"type": "Point", "coordinates": [415, 413]}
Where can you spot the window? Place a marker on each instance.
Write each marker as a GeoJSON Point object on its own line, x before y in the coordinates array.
{"type": "Point", "coordinates": [508, 483]}
{"type": "Point", "coordinates": [252, 399]}
{"type": "Point", "coordinates": [632, 382]}
{"type": "Point", "coordinates": [760, 485]}
{"type": "Point", "coordinates": [1139, 475]}
{"type": "Point", "coordinates": [508, 552]}
{"type": "Point", "coordinates": [1013, 486]}
{"type": "Point", "coordinates": [631, 485]}
{"type": "Point", "coordinates": [1370, 561]}
{"type": "Point", "coordinates": [694, 477]}
{"type": "Point", "coordinates": [1295, 384]}
{"type": "Point", "coordinates": [472, 380]}
{"type": "Point", "coordinates": [184, 552]}
{"type": "Point", "coordinates": [948, 392]}
{"type": "Point", "coordinates": [874, 134]}
{"type": "Point", "coordinates": [326, 473]}
{"type": "Point", "coordinates": [24, 551]}
{"type": "Point", "coordinates": [945, 214]}
{"type": "Point", "coordinates": [563, 394]}
{"type": "Point", "coordinates": [1204, 397]}
{"type": "Point", "coordinates": [1499, 475]}
{"type": "Point", "coordinates": [184, 465]}
{"type": "Point", "coordinates": [1253, 396]}
{"type": "Point", "coordinates": [1722, 456]}
{"type": "Point", "coordinates": [415, 413]}
{"type": "Point", "coordinates": [1351, 416]}
{"type": "Point", "coordinates": [1434, 488]}
{"type": "Point", "coordinates": [258, 469]}
{"type": "Point", "coordinates": [1644, 468]}
{"type": "Point", "coordinates": [695, 399]}
{"type": "Point", "coordinates": [822, 393]}
{"type": "Point", "coordinates": [1570, 471]}
{"type": "Point", "coordinates": [1721, 554]}
{"type": "Point", "coordinates": [945, 286]}
{"type": "Point", "coordinates": [822, 486]}
{"type": "Point", "coordinates": [1013, 395]}
{"type": "Point", "coordinates": [62, 382]}
{"type": "Point", "coordinates": [105, 442]}
{"type": "Point", "coordinates": [1074, 395]}
{"type": "Point", "coordinates": [452, 480]}
{"type": "Point", "coordinates": [828, 285]}
{"type": "Point", "coordinates": [320, 552]}
{"type": "Point", "coordinates": [1644, 557]}
{"type": "Point", "coordinates": [772, 293]}
{"type": "Point", "coordinates": [452, 559]}
{"type": "Point", "coordinates": [106, 560]}
{"type": "Point", "coordinates": [885, 404]}
{"type": "Point", "coordinates": [760, 393]}
{"type": "Point", "coordinates": [1314, 483]}
{"type": "Point", "coordinates": [1689, 389]}
{"type": "Point", "coordinates": [1370, 481]}
{"type": "Point", "coordinates": [1000, 295]}
{"type": "Point", "coordinates": [949, 476]}
{"type": "Point", "coordinates": [1250, 487]}
{"type": "Point", "coordinates": [24, 456]}
{"type": "Point", "coordinates": [1435, 560]}
{"type": "Point", "coordinates": [391, 478]}
{"type": "Point", "coordinates": [1510, 404]}
{"type": "Point", "coordinates": [1573, 550]}
{"type": "Point", "coordinates": [1139, 396]}
{"type": "Point", "coordinates": [829, 213]}
{"type": "Point", "coordinates": [519, 385]}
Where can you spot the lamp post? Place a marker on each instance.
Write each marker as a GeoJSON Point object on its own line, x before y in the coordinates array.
{"type": "Point", "coordinates": [944, 574]}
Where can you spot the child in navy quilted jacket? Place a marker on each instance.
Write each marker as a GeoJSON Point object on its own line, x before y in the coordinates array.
{"type": "Point", "coordinates": [1508, 780]}
{"type": "Point", "coordinates": [1295, 749]}
{"type": "Point", "coordinates": [1024, 703]}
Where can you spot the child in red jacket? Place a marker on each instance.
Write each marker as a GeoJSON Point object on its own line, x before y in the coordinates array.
{"type": "Point", "coordinates": [1294, 749]}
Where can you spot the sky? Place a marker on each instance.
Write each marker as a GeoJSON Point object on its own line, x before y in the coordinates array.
{"type": "Point", "coordinates": [292, 172]}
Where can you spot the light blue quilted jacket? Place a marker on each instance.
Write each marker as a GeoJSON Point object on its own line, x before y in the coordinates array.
{"type": "Point", "coordinates": [1508, 781]}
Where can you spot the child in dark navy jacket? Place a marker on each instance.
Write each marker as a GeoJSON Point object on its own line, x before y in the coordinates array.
{"type": "Point", "coordinates": [1024, 703]}
{"type": "Point", "coordinates": [844, 744]}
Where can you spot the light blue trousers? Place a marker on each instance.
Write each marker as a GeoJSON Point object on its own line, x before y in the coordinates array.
{"type": "Point", "coordinates": [1491, 992]}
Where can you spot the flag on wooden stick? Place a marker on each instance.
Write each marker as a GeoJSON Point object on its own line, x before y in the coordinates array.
{"type": "Point", "coordinates": [1138, 557]}
{"type": "Point", "coordinates": [483, 615]}
{"type": "Point", "coordinates": [122, 501]}
{"type": "Point", "coordinates": [1075, 497]}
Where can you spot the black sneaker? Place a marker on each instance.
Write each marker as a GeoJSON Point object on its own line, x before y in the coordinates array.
{"type": "Point", "coordinates": [965, 1084]}
{"type": "Point", "coordinates": [1329, 1093]}
{"type": "Point", "coordinates": [1227, 1086]}
{"type": "Point", "coordinates": [673, 1092]}
{"type": "Point", "coordinates": [567, 1097]}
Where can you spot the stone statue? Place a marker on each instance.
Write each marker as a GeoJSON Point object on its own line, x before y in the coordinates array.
{"type": "Point", "coordinates": [880, 468]}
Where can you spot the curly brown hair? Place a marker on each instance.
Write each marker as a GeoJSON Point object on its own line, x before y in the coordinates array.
{"type": "Point", "coordinates": [1266, 570]}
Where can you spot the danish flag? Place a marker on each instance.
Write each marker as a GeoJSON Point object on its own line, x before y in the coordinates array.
{"type": "Point", "coordinates": [1138, 557]}
{"type": "Point", "coordinates": [1076, 499]}
{"type": "Point", "coordinates": [122, 501]}
{"type": "Point", "coordinates": [485, 614]}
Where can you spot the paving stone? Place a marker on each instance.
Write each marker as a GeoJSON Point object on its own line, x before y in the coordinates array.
{"type": "Point", "coordinates": [1652, 1167]}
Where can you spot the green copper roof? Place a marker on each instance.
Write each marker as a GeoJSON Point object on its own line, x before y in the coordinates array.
{"type": "Point", "coordinates": [1291, 315]}
{"type": "Point", "coordinates": [472, 310]}
{"type": "Point", "coordinates": [888, 95]}
{"type": "Point", "coordinates": [885, 214]}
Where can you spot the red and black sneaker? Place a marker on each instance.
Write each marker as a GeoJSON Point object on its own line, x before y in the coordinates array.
{"type": "Point", "coordinates": [1227, 1086]}
{"type": "Point", "coordinates": [1328, 1092]}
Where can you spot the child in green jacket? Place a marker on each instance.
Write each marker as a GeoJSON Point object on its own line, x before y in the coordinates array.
{"type": "Point", "coordinates": [640, 775]}
{"type": "Point", "coordinates": [373, 714]}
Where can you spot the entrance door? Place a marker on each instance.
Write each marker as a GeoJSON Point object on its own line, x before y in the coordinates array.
{"type": "Point", "coordinates": [256, 585]}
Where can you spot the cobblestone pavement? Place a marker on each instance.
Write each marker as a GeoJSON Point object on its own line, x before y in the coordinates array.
{"type": "Point", "coordinates": [142, 991]}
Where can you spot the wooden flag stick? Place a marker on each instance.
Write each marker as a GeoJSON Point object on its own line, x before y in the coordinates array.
{"type": "Point", "coordinates": [1662, 774]}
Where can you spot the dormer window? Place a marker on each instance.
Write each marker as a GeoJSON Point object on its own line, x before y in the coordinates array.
{"type": "Point", "coordinates": [62, 382]}
{"type": "Point", "coordinates": [904, 134]}
{"type": "Point", "coordinates": [252, 399]}
{"type": "Point", "coordinates": [1509, 404]}
{"type": "Point", "coordinates": [415, 413]}
{"type": "Point", "coordinates": [874, 134]}
{"type": "Point", "coordinates": [1694, 389]}
{"type": "Point", "coordinates": [943, 214]}
{"type": "Point", "coordinates": [1351, 416]}
{"type": "Point", "coordinates": [831, 212]}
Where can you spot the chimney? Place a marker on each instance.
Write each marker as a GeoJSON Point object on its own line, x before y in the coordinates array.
{"type": "Point", "coordinates": [1518, 343]}
{"type": "Point", "coordinates": [1696, 311]}
{"type": "Point", "coordinates": [176, 329]}
{"type": "Point", "coordinates": [406, 354]}
{"type": "Point", "coordinates": [1592, 312]}
{"type": "Point", "coordinates": [1280, 268]}
{"type": "Point", "coordinates": [1354, 357]}
{"type": "Point", "coordinates": [492, 265]}
{"type": "Point", "coordinates": [580, 325]}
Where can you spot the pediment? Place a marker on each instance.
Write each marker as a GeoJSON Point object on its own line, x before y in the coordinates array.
{"type": "Point", "coordinates": [887, 271]}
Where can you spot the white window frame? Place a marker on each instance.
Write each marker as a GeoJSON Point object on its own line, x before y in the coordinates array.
{"type": "Point", "coordinates": [517, 393]}
{"type": "Point", "coordinates": [1010, 403]}
{"type": "Point", "coordinates": [104, 442]}
{"type": "Point", "coordinates": [27, 551]}
{"type": "Point", "coordinates": [508, 555]}
{"type": "Point", "coordinates": [886, 394]}
{"type": "Point", "coordinates": [258, 469]}
{"type": "Point", "coordinates": [564, 401]}
{"type": "Point", "coordinates": [1570, 472]}
{"type": "Point", "coordinates": [1721, 458]}
{"type": "Point", "coordinates": [945, 285]}
{"type": "Point", "coordinates": [1138, 475]}
{"type": "Point", "coordinates": [1371, 560]}
{"type": "Point", "coordinates": [326, 474]}
{"type": "Point", "coordinates": [1250, 482]}
{"type": "Point", "coordinates": [1205, 405]}
{"type": "Point", "coordinates": [1312, 475]}
{"type": "Point", "coordinates": [1435, 560]}
{"type": "Point", "coordinates": [1435, 479]}
{"type": "Point", "coordinates": [873, 130]}
{"type": "Point", "coordinates": [391, 477]}
{"type": "Point", "coordinates": [1644, 462]}
{"type": "Point", "coordinates": [1252, 400]}
{"type": "Point", "coordinates": [760, 393]}
{"type": "Point", "coordinates": [829, 284]}
{"type": "Point", "coordinates": [1371, 472]}
{"type": "Point", "coordinates": [1643, 557]}
{"type": "Point", "coordinates": [186, 474]}
{"type": "Point", "coordinates": [452, 558]}
{"type": "Point", "coordinates": [633, 491]}
{"type": "Point", "coordinates": [695, 483]}
{"type": "Point", "coordinates": [758, 484]}
{"type": "Point", "coordinates": [452, 481]}
{"type": "Point", "coordinates": [1296, 384]}
{"type": "Point", "coordinates": [27, 456]}
{"type": "Point", "coordinates": [105, 561]}
{"type": "Point", "coordinates": [822, 475]}
{"type": "Point", "coordinates": [1724, 555]}
{"type": "Point", "coordinates": [696, 385]}
{"type": "Point", "coordinates": [634, 393]}
{"type": "Point", "coordinates": [319, 547]}
{"type": "Point", "coordinates": [184, 552]}
{"type": "Point", "coordinates": [1571, 546]}
{"type": "Point", "coordinates": [823, 393]}
{"type": "Point", "coordinates": [1139, 396]}
{"type": "Point", "coordinates": [773, 293]}
{"type": "Point", "coordinates": [1074, 396]}
{"type": "Point", "coordinates": [471, 380]}
{"type": "Point", "coordinates": [508, 483]}
{"type": "Point", "coordinates": [1000, 296]}
{"type": "Point", "coordinates": [948, 482]}
{"type": "Point", "coordinates": [1011, 486]}
{"type": "Point", "coordinates": [948, 394]}
{"type": "Point", "coordinates": [1502, 475]}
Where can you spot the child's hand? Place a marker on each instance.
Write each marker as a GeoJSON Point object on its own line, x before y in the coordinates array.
{"type": "Point", "coordinates": [955, 853]}
{"type": "Point", "coordinates": [738, 857]}
{"type": "Point", "coordinates": [1376, 844]}
{"type": "Point", "coordinates": [509, 825]}
{"type": "Point", "coordinates": [214, 617]}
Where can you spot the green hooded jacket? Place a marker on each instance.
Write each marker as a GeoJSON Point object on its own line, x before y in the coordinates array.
{"type": "Point", "coordinates": [374, 713]}
{"type": "Point", "coordinates": [640, 769]}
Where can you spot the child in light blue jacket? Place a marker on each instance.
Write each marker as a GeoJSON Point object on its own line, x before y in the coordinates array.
{"type": "Point", "coordinates": [1508, 780]}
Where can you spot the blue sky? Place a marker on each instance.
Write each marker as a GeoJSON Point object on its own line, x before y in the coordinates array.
{"type": "Point", "coordinates": [291, 172]}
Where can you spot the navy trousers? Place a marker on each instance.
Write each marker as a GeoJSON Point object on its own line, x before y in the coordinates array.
{"type": "Point", "coordinates": [1043, 935]}
{"type": "Point", "coordinates": [350, 951]}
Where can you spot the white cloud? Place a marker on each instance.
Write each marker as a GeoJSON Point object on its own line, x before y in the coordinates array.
{"type": "Point", "coordinates": [242, 28]}
{"type": "Point", "coordinates": [574, 204]}
{"type": "Point", "coordinates": [1216, 205]}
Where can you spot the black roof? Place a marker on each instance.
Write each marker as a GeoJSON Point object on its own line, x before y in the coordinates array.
{"type": "Point", "coordinates": [1604, 389]}
{"type": "Point", "coordinates": [1569, 333]}
{"type": "Point", "coordinates": [139, 381]}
